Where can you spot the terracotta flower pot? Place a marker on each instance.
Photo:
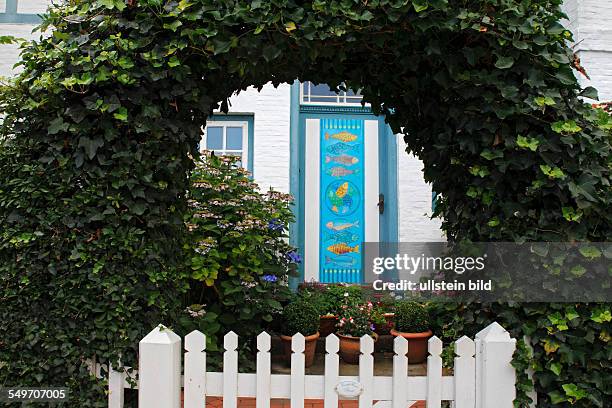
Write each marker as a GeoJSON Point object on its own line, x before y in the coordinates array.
{"type": "Point", "coordinates": [417, 345]}
{"type": "Point", "coordinates": [309, 349]}
{"type": "Point", "coordinates": [349, 348]}
{"type": "Point", "coordinates": [327, 325]}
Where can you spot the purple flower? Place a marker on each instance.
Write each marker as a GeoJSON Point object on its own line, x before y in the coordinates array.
{"type": "Point", "coordinates": [276, 225]}
{"type": "Point", "coordinates": [269, 278]}
{"type": "Point", "coordinates": [294, 257]}
{"type": "Point", "coordinates": [372, 327]}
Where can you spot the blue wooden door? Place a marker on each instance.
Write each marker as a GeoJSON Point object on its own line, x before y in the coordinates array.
{"type": "Point", "coordinates": [342, 157]}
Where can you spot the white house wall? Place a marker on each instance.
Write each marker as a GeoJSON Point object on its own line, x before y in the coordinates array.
{"type": "Point", "coordinates": [271, 109]}
{"type": "Point", "coordinates": [414, 201]}
{"type": "Point", "coordinates": [591, 23]}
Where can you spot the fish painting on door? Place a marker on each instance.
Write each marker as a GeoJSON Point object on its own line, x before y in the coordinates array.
{"type": "Point", "coordinates": [341, 195]}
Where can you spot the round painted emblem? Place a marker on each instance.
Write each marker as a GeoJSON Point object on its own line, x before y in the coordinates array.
{"type": "Point", "coordinates": [349, 388]}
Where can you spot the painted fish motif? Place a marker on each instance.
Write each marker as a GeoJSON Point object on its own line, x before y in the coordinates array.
{"type": "Point", "coordinates": [342, 248]}
{"type": "Point", "coordinates": [342, 190]}
{"type": "Point", "coordinates": [343, 136]}
{"type": "Point", "coordinates": [343, 226]}
{"type": "Point", "coordinates": [338, 148]}
{"type": "Point", "coordinates": [341, 171]}
{"type": "Point", "coordinates": [344, 260]}
{"type": "Point", "coordinates": [341, 236]}
{"type": "Point", "coordinates": [340, 205]}
{"type": "Point", "coordinates": [345, 159]}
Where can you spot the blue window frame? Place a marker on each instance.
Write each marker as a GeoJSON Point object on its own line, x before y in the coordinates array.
{"type": "Point", "coordinates": [230, 135]}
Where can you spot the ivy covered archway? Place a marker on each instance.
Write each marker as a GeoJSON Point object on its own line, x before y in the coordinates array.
{"type": "Point", "coordinates": [98, 128]}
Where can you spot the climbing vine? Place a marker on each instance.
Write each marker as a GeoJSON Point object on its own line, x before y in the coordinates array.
{"type": "Point", "coordinates": [98, 129]}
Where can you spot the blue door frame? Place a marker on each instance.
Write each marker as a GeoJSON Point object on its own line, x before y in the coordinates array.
{"type": "Point", "coordinates": [387, 166]}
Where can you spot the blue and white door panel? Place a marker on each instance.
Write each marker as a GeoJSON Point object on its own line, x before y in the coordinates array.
{"type": "Point", "coordinates": [341, 196]}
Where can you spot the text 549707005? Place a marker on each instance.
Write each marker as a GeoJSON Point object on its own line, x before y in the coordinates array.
{"type": "Point", "coordinates": [43, 394]}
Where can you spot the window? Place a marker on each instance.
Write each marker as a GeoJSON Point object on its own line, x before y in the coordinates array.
{"type": "Point", "coordinates": [322, 94]}
{"type": "Point", "coordinates": [227, 138]}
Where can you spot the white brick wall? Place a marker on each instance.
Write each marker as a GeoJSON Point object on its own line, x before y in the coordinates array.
{"type": "Point", "coordinates": [591, 22]}
{"type": "Point", "coordinates": [9, 53]}
{"type": "Point", "coordinates": [414, 196]}
{"type": "Point", "coordinates": [33, 6]}
{"type": "Point", "coordinates": [271, 110]}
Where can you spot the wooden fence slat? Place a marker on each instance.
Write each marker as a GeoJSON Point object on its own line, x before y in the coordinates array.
{"type": "Point", "coordinates": [434, 373]}
{"type": "Point", "coordinates": [298, 369]}
{"type": "Point", "coordinates": [400, 372]}
{"type": "Point", "coordinates": [495, 376]}
{"type": "Point", "coordinates": [159, 369]}
{"type": "Point", "coordinates": [230, 370]}
{"type": "Point", "coordinates": [465, 373]}
{"type": "Point", "coordinates": [263, 371]}
{"type": "Point", "coordinates": [116, 381]}
{"type": "Point", "coordinates": [195, 369]}
{"type": "Point", "coordinates": [332, 370]}
{"type": "Point", "coordinates": [366, 371]}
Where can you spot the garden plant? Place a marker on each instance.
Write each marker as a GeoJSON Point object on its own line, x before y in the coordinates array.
{"type": "Point", "coordinates": [238, 258]}
{"type": "Point", "coordinates": [100, 130]}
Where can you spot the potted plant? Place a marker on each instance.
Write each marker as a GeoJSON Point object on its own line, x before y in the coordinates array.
{"type": "Point", "coordinates": [383, 314]}
{"type": "Point", "coordinates": [302, 317]}
{"type": "Point", "coordinates": [317, 295]}
{"type": "Point", "coordinates": [412, 323]}
{"type": "Point", "coordinates": [355, 321]}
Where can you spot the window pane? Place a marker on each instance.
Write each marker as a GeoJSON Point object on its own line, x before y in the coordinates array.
{"type": "Point", "coordinates": [321, 90]}
{"type": "Point", "coordinates": [234, 138]}
{"type": "Point", "coordinates": [214, 138]}
{"type": "Point", "coordinates": [305, 91]}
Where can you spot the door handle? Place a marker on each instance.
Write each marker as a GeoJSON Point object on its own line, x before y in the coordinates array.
{"type": "Point", "coordinates": [381, 203]}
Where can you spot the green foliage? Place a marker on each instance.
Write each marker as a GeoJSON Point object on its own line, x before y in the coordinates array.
{"type": "Point", "coordinates": [329, 299]}
{"type": "Point", "coordinates": [302, 317]}
{"type": "Point", "coordinates": [236, 252]}
{"type": "Point", "coordinates": [411, 317]}
{"type": "Point", "coordinates": [98, 127]}
{"type": "Point", "coordinates": [355, 319]}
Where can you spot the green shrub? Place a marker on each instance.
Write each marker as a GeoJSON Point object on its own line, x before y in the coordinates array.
{"type": "Point", "coordinates": [302, 317]}
{"type": "Point", "coordinates": [237, 252]}
{"type": "Point", "coordinates": [411, 317]}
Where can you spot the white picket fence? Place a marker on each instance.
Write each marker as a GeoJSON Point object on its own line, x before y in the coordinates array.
{"type": "Point", "coordinates": [483, 376]}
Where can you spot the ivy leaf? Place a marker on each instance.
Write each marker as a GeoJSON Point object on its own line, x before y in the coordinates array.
{"type": "Point", "coordinates": [527, 143]}
{"type": "Point", "coordinates": [504, 62]}
{"type": "Point", "coordinates": [111, 4]}
{"type": "Point", "coordinates": [57, 125]}
{"type": "Point", "coordinates": [271, 52]}
{"type": "Point", "coordinates": [578, 270]}
{"type": "Point", "coordinates": [554, 173]}
{"type": "Point", "coordinates": [90, 146]}
{"type": "Point", "coordinates": [173, 25]}
{"type": "Point", "coordinates": [601, 315]}
{"type": "Point", "coordinates": [568, 126]}
{"type": "Point", "coordinates": [590, 92]}
{"type": "Point", "coordinates": [590, 252]}
{"type": "Point", "coordinates": [574, 392]}
{"type": "Point", "coordinates": [290, 26]}
{"type": "Point", "coordinates": [174, 62]}
{"type": "Point", "coordinates": [491, 155]}
{"type": "Point", "coordinates": [121, 114]}
{"type": "Point", "coordinates": [420, 5]}
{"type": "Point", "coordinates": [555, 368]}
